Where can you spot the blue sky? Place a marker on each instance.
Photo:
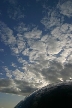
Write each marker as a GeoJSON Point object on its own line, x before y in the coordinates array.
{"type": "Point", "coordinates": [9, 101]}
{"type": "Point", "coordinates": [35, 44]}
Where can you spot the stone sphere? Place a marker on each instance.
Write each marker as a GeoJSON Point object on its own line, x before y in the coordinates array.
{"type": "Point", "coordinates": [51, 96]}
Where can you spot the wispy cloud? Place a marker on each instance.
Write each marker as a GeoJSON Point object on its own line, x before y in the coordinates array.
{"type": "Point", "coordinates": [66, 8]}
{"type": "Point", "coordinates": [15, 87]}
{"type": "Point", "coordinates": [7, 34]}
{"type": "Point", "coordinates": [14, 11]}
{"type": "Point", "coordinates": [13, 65]}
{"type": "Point", "coordinates": [33, 34]}
{"type": "Point", "coordinates": [1, 50]}
{"type": "Point", "coordinates": [52, 18]}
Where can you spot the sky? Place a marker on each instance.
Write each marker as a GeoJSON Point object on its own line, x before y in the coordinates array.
{"type": "Point", "coordinates": [35, 46]}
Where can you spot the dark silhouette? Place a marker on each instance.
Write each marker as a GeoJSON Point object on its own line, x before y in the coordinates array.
{"type": "Point", "coordinates": [52, 96]}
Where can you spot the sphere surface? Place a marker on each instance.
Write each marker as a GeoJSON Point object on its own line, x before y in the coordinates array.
{"type": "Point", "coordinates": [55, 95]}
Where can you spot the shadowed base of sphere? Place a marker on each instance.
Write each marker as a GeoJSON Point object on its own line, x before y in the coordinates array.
{"type": "Point", "coordinates": [57, 95]}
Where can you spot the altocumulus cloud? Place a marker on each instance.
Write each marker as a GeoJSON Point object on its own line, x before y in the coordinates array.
{"type": "Point", "coordinates": [49, 56]}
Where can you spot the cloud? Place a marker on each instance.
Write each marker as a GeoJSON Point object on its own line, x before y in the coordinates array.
{"type": "Point", "coordinates": [7, 34]}
{"type": "Point", "coordinates": [15, 11]}
{"type": "Point", "coordinates": [21, 28]}
{"type": "Point", "coordinates": [66, 8]}
{"type": "Point", "coordinates": [11, 1]}
{"type": "Point", "coordinates": [1, 50]}
{"type": "Point", "coordinates": [48, 59]}
{"type": "Point", "coordinates": [5, 82]}
{"type": "Point", "coordinates": [55, 16]}
{"type": "Point", "coordinates": [35, 77]}
{"type": "Point", "coordinates": [24, 86]}
{"type": "Point", "coordinates": [13, 65]}
{"type": "Point", "coordinates": [33, 34]}
{"type": "Point", "coordinates": [52, 19]}
{"type": "Point", "coordinates": [8, 72]}
{"type": "Point", "coordinates": [21, 60]}
{"type": "Point", "coordinates": [8, 86]}
{"type": "Point", "coordinates": [15, 87]}
{"type": "Point", "coordinates": [51, 45]}
{"type": "Point", "coordinates": [44, 58]}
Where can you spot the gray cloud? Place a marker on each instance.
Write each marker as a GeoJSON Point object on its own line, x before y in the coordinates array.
{"type": "Point", "coordinates": [16, 87]}
{"type": "Point", "coordinates": [37, 77]}
{"type": "Point", "coordinates": [5, 82]}
{"type": "Point", "coordinates": [57, 71]}
{"type": "Point", "coordinates": [25, 87]}
{"type": "Point", "coordinates": [9, 90]}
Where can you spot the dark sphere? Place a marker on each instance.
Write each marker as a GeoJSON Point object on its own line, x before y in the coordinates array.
{"type": "Point", "coordinates": [51, 96]}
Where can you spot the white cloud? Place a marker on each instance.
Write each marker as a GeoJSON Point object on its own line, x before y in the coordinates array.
{"type": "Point", "coordinates": [15, 50]}
{"type": "Point", "coordinates": [26, 52]}
{"type": "Point", "coordinates": [35, 33]}
{"type": "Point", "coordinates": [38, 46]}
{"type": "Point", "coordinates": [21, 28]}
{"type": "Point", "coordinates": [66, 8]}
{"type": "Point", "coordinates": [52, 18]}
{"type": "Point", "coordinates": [36, 76]}
{"type": "Point", "coordinates": [63, 34]}
{"type": "Point", "coordinates": [21, 45]}
{"type": "Point", "coordinates": [70, 58]}
{"type": "Point", "coordinates": [7, 34]}
{"type": "Point", "coordinates": [39, 75]}
{"type": "Point", "coordinates": [18, 74]}
{"type": "Point", "coordinates": [41, 52]}
{"type": "Point", "coordinates": [8, 86]}
{"type": "Point", "coordinates": [49, 45]}
{"type": "Point", "coordinates": [22, 61]}
{"type": "Point", "coordinates": [8, 72]}
{"type": "Point", "coordinates": [53, 46]}
{"type": "Point", "coordinates": [17, 44]}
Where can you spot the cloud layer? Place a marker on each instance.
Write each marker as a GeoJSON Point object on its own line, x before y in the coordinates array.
{"type": "Point", "coordinates": [44, 57]}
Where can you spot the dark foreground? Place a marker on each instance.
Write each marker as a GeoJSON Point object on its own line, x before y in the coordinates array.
{"type": "Point", "coordinates": [52, 96]}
